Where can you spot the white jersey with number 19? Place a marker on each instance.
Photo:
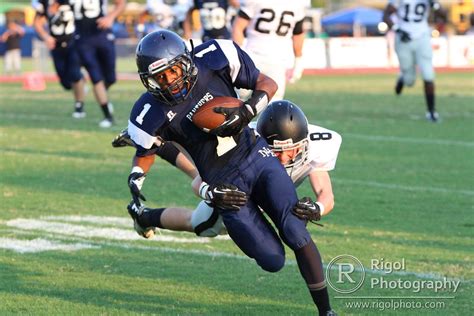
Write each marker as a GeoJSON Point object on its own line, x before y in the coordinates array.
{"type": "Point", "coordinates": [412, 16]}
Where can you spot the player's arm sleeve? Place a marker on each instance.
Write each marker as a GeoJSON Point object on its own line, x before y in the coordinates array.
{"type": "Point", "coordinates": [168, 152]}
{"type": "Point", "coordinates": [298, 29]}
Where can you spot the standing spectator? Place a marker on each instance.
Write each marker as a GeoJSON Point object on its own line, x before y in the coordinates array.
{"type": "Point", "coordinates": [95, 44]}
{"type": "Point", "coordinates": [12, 37]}
{"type": "Point", "coordinates": [274, 37]}
{"type": "Point", "coordinates": [413, 46]}
{"type": "Point", "coordinates": [214, 18]}
{"type": "Point", "coordinates": [60, 41]}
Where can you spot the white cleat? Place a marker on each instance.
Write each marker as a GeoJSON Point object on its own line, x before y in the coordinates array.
{"type": "Point", "coordinates": [432, 117]}
{"type": "Point", "coordinates": [106, 123]}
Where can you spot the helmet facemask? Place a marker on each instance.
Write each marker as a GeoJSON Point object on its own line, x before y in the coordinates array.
{"type": "Point", "coordinates": [178, 90]}
{"type": "Point", "coordinates": [300, 148]}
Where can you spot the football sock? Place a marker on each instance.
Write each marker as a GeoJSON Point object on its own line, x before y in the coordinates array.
{"type": "Point", "coordinates": [151, 217]}
{"type": "Point", "coordinates": [430, 96]}
{"type": "Point", "coordinates": [106, 111]}
{"type": "Point", "coordinates": [311, 268]}
{"type": "Point", "coordinates": [321, 299]}
{"type": "Point", "coordinates": [399, 86]}
{"type": "Point", "coordinates": [79, 105]}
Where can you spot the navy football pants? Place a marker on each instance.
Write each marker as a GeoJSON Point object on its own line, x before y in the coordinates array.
{"type": "Point", "coordinates": [97, 53]}
{"type": "Point", "coordinates": [67, 65]}
{"type": "Point", "coordinates": [265, 180]}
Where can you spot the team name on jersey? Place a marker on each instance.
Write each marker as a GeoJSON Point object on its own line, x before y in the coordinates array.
{"type": "Point", "coordinates": [207, 97]}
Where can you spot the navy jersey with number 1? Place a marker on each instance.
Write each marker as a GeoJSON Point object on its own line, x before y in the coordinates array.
{"type": "Point", "coordinates": [244, 160]}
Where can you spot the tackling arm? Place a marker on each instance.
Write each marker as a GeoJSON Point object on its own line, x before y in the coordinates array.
{"type": "Point", "coordinates": [322, 187]}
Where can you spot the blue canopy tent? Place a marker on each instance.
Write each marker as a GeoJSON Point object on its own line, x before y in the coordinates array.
{"type": "Point", "coordinates": [349, 21]}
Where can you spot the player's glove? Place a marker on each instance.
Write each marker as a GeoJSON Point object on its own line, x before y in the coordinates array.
{"type": "Point", "coordinates": [135, 183]}
{"type": "Point", "coordinates": [404, 36]}
{"type": "Point", "coordinates": [307, 210]}
{"type": "Point", "coordinates": [123, 139]}
{"type": "Point", "coordinates": [236, 119]}
{"type": "Point", "coordinates": [239, 117]}
{"type": "Point", "coordinates": [225, 196]}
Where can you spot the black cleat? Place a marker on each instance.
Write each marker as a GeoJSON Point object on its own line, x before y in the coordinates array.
{"type": "Point", "coordinates": [399, 86]}
{"type": "Point", "coordinates": [135, 212]}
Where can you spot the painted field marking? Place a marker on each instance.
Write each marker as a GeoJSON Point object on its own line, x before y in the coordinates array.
{"type": "Point", "coordinates": [78, 238]}
{"type": "Point", "coordinates": [40, 244]}
{"type": "Point", "coordinates": [92, 232]}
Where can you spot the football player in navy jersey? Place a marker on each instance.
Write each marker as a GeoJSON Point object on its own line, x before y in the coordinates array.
{"type": "Point", "coordinates": [214, 18]}
{"type": "Point", "coordinates": [240, 169]}
{"type": "Point", "coordinates": [96, 47]}
{"type": "Point", "coordinates": [60, 41]}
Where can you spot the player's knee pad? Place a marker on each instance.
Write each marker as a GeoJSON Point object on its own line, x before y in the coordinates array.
{"type": "Point", "coordinates": [427, 73]}
{"type": "Point", "coordinates": [66, 84]}
{"type": "Point", "coordinates": [409, 79]}
{"type": "Point", "coordinates": [294, 233]}
{"type": "Point", "coordinates": [206, 221]}
{"type": "Point", "coordinates": [271, 263]}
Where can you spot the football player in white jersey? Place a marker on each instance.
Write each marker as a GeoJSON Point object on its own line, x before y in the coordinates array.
{"type": "Point", "coordinates": [273, 37]}
{"type": "Point", "coordinates": [413, 45]}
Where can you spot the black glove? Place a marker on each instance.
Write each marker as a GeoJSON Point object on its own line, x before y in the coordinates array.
{"type": "Point", "coordinates": [135, 183]}
{"type": "Point", "coordinates": [404, 36]}
{"type": "Point", "coordinates": [236, 119]}
{"type": "Point", "coordinates": [239, 117]}
{"type": "Point", "coordinates": [123, 139]}
{"type": "Point", "coordinates": [226, 196]}
{"type": "Point", "coordinates": [307, 210]}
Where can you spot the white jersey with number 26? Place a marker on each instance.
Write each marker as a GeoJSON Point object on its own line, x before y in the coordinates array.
{"type": "Point", "coordinates": [271, 26]}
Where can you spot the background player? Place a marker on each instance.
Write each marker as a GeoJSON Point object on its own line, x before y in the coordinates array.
{"type": "Point", "coordinates": [166, 14]}
{"type": "Point", "coordinates": [274, 37]}
{"type": "Point", "coordinates": [59, 39]}
{"type": "Point", "coordinates": [214, 17]}
{"type": "Point", "coordinates": [413, 46]}
{"type": "Point", "coordinates": [95, 44]}
{"type": "Point", "coordinates": [244, 169]}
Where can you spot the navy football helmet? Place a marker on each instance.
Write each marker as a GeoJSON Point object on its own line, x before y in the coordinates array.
{"type": "Point", "coordinates": [158, 52]}
{"type": "Point", "coordinates": [285, 127]}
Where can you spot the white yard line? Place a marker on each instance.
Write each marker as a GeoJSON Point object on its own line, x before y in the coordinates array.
{"type": "Point", "coordinates": [40, 244]}
{"type": "Point", "coordinates": [91, 231]}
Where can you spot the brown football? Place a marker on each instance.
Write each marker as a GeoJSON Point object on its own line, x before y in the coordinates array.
{"type": "Point", "coordinates": [206, 119]}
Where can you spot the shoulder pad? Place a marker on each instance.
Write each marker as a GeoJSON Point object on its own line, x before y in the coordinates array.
{"type": "Point", "coordinates": [146, 118]}
{"type": "Point", "coordinates": [211, 54]}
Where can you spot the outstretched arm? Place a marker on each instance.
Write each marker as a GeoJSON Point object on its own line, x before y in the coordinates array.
{"type": "Point", "coordinates": [321, 183]}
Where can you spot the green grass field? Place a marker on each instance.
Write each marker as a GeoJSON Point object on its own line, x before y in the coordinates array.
{"type": "Point", "coordinates": [404, 190]}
